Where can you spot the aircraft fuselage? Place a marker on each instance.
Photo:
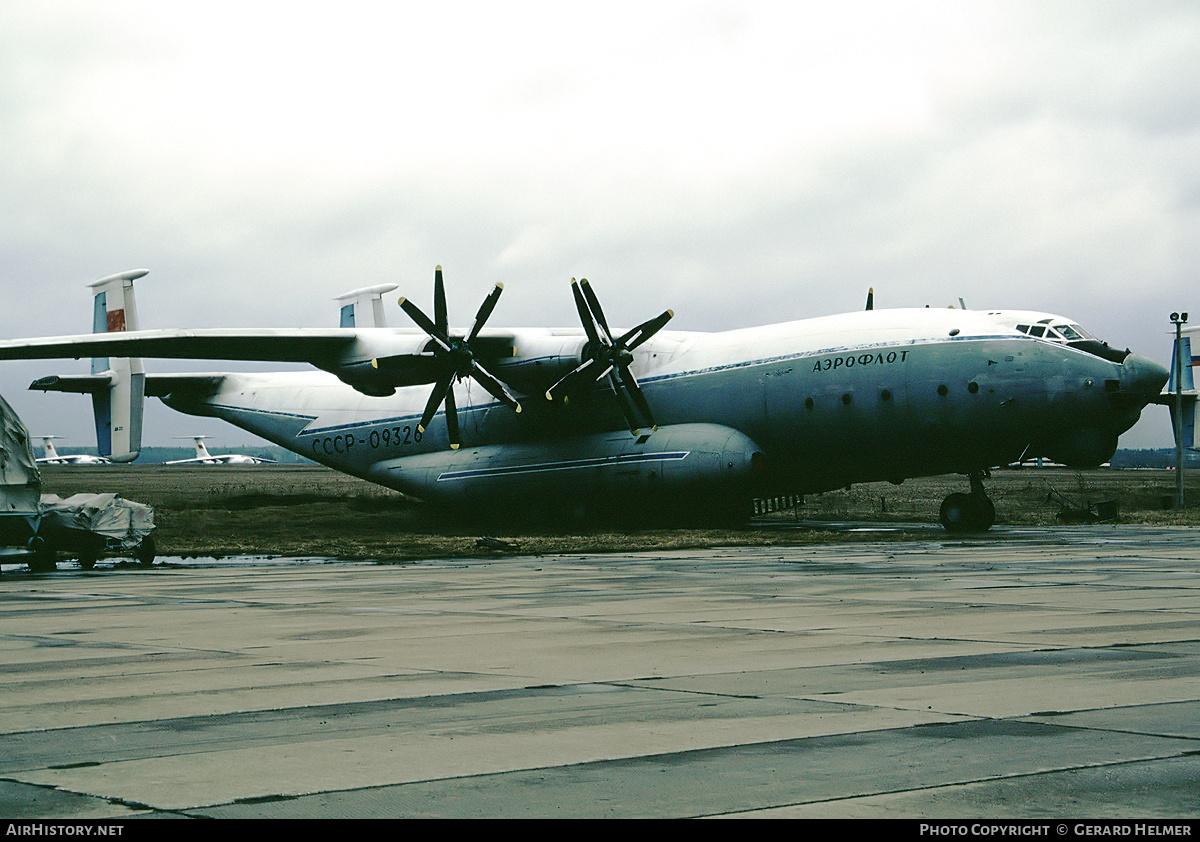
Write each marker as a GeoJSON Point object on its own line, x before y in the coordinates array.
{"type": "Point", "coordinates": [798, 407]}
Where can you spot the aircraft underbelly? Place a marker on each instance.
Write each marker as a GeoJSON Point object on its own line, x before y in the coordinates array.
{"type": "Point", "coordinates": [673, 461]}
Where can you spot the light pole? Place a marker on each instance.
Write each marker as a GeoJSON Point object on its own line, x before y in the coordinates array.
{"type": "Point", "coordinates": [1179, 320]}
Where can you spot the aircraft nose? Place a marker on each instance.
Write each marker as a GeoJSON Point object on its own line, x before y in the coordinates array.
{"type": "Point", "coordinates": [1142, 378]}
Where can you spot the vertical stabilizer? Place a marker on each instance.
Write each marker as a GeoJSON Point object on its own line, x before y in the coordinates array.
{"type": "Point", "coordinates": [1183, 362]}
{"type": "Point", "coordinates": [364, 307]}
{"type": "Point", "coordinates": [118, 409]}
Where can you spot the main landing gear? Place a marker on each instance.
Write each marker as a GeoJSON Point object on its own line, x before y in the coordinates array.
{"type": "Point", "coordinates": [972, 512]}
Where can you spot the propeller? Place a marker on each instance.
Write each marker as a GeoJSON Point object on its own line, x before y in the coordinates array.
{"type": "Point", "coordinates": [454, 358]}
{"type": "Point", "coordinates": [608, 357]}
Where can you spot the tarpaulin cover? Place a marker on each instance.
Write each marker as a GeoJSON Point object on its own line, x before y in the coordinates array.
{"type": "Point", "coordinates": [121, 522]}
{"type": "Point", "coordinates": [20, 479]}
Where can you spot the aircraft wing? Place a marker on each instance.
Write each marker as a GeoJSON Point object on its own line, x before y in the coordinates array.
{"type": "Point", "coordinates": [373, 360]}
{"type": "Point", "coordinates": [347, 352]}
{"type": "Point", "coordinates": [271, 345]}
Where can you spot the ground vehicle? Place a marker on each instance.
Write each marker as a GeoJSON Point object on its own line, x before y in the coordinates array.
{"type": "Point", "coordinates": [91, 525]}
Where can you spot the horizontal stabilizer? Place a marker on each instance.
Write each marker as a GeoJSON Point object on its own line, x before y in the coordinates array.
{"type": "Point", "coordinates": [157, 385]}
{"type": "Point", "coordinates": [84, 384]}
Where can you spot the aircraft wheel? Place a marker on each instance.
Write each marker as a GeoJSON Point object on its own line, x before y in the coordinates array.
{"type": "Point", "coordinates": [968, 513]}
{"type": "Point", "coordinates": [984, 515]}
{"type": "Point", "coordinates": [146, 552]}
{"type": "Point", "coordinates": [44, 559]}
{"type": "Point", "coordinates": [956, 513]}
{"type": "Point", "coordinates": [88, 559]}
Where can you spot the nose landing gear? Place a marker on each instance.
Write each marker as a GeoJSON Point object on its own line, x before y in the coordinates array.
{"type": "Point", "coordinates": [972, 512]}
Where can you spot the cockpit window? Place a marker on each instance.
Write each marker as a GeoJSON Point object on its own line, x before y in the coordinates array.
{"type": "Point", "coordinates": [1073, 335]}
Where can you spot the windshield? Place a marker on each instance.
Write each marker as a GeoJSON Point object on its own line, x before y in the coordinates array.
{"type": "Point", "coordinates": [1057, 329]}
{"type": "Point", "coordinates": [1060, 331]}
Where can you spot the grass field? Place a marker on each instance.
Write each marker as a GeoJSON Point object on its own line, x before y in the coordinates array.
{"type": "Point", "coordinates": [308, 510]}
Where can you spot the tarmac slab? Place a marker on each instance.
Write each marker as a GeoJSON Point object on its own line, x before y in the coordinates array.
{"type": "Point", "coordinates": [1024, 674]}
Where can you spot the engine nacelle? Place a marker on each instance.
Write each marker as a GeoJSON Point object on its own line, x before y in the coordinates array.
{"type": "Point", "coordinates": [539, 361]}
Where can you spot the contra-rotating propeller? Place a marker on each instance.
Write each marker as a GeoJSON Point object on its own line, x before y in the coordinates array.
{"type": "Point", "coordinates": [454, 358]}
{"type": "Point", "coordinates": [608, 357]}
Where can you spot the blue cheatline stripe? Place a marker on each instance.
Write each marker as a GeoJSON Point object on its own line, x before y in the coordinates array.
{"type": "Point", "coordinates": [570, 465]}
{"type": "Point", "coordinates": [841, 349]}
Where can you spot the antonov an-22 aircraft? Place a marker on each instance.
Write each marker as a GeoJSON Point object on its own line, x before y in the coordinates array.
{"type": "Point", "coordinates": [657, 421]}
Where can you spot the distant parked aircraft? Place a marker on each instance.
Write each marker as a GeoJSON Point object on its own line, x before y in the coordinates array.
{"type": "Point", "coordinates": [53, 457]}
{"type": "Point", "coordinates": [203, 457]}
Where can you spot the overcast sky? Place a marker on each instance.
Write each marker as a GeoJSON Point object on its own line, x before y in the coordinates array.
{"type": "Point", "coordinates": [738, 162]}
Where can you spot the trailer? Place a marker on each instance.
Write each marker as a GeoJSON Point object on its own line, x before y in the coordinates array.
{"type": "Point", "coordinates": [89, 526]}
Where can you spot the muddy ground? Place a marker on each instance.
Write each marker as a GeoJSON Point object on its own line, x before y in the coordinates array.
{"type": "Point", "coordinates": [308, 510]}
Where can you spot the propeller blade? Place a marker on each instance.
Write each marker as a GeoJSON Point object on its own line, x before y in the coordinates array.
{"type": "Point", "coordinates": [441, 390]}
{"type": "Point", "coordinates": [623, 400]}
{"type": "Point", "coordinates": [635, 392]}
{"type": "Point", "coordinates": [645, 330]}
{"type": "Point", "coordinates": [594, 305]}
{"type": "Point", "coordinates": [414, 312]}
{"type": "Point", "coordinates": [485, 310]}
{"type": "Point", "coordinates": [585, 315]}
{"type": "Point", "coordinates": [452, 418]}
{"type": "Point", "coordinates": [439, 302]}
{"type": "Point", "coordinates": [871, 299]}
{"type": "Point", "coordinates": [567, 382]}
{"type": "Point", "coordinates": [494, 386]}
